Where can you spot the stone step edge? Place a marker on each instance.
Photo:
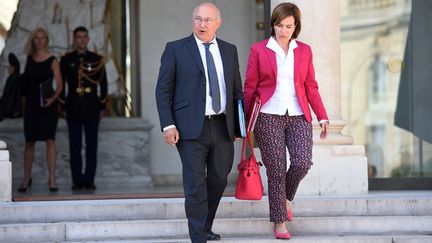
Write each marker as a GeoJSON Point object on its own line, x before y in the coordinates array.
{"type": "Point", "coordinates": [298, 221]}
{"type": "Point", "coordinates": [222, 219]}
{"type": "Point", "coordinates": [229, 200]}
{"type": "Point", "coordinates": [151, 229]}
{"type": "Point", "coordinates": [166, 209]}
{"type": "Point", "coordinates": [298, 205]}
{"type": "Point", "coordinates": [269, 239]}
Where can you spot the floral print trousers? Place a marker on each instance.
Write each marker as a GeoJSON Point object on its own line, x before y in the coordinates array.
{"type": "Point", "coordinates": [273, 134]}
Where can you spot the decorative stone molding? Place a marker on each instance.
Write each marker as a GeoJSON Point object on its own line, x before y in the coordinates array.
{"type": "Point", "coordinates": [335, 136]}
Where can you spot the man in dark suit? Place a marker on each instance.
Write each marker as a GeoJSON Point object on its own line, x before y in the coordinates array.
{"type": "Point", "coordinates": [199, 83]}
{"type": "Point", "coordinates": [85, 102]}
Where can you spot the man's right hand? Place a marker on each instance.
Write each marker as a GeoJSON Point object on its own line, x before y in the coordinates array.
{"type": "Point", "coordinates": [171, 136]}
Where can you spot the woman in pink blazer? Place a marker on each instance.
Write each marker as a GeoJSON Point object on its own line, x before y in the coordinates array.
{"type": "Point", "coordinates": [281, 73]}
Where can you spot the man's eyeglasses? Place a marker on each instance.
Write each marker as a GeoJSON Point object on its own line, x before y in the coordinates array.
{"type": "Point", "coordinates": [199, 20]}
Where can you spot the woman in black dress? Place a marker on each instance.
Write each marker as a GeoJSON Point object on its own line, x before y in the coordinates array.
{"type": "Point", "coordinates": [40, 108]}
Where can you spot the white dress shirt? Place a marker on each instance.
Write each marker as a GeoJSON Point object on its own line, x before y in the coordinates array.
{"type": "Point", "coordinates": [284, 98]}
{"type": "Point", "coordinates": [214, 49]}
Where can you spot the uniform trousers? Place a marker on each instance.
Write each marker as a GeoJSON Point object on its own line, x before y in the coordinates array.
{"type": "Point", "coordinates": [207, 162]}
{"type": "Point", "coordinates": [273, 134]}
{"type": "Point", "coordinates": [75, 127]}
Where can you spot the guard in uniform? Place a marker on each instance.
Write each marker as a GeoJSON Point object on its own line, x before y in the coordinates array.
{"type": "Point", "coordinates": [84, 101]}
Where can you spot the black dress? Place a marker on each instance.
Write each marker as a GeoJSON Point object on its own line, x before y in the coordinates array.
{"type": "Point", "coordinates": [40, 123]}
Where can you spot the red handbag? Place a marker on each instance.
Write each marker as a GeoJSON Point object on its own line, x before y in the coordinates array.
{"type": "Point", "coordinates": [249, 184]}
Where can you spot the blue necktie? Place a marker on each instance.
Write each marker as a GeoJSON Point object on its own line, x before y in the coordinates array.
{"type": "Point", "coordinates": [213, 80]}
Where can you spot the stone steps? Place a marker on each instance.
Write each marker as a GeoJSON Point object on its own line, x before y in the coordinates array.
{"type": "Point", "coordinates": [105, 210]}
{"type": "Point", "coordinates": [174, 228]}
{"type": "Point", "coordinates": [363, 218]}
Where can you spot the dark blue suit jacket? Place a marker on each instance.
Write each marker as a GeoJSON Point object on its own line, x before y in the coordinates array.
{"type": "Point", "coordinates": [180, 90]}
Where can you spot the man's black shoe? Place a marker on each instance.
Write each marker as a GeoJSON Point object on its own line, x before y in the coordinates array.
{"type": "Point", "coordinates": [213, 236]}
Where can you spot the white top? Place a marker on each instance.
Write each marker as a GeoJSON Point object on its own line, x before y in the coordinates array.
{"type": "Point", "coordinates": [284, 98]}
{"type": "Point", "coordinates": [214, 49]}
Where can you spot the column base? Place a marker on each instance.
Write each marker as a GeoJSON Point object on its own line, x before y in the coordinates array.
{"type": "Point", "coordinates": [337, 170]}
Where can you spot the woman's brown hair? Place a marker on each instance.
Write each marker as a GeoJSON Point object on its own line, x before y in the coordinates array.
{"type": "Point", "coordinates": [282, 11]}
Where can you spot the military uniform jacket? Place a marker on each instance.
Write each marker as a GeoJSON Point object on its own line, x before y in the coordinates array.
{"type": "Point", "coordinates": [86, 93]}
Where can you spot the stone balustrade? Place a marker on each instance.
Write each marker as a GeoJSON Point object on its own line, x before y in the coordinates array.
{"type": "Point", "coordinates": [123, 154]}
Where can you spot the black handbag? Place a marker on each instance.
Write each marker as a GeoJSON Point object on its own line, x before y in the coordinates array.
{"type": "Point", "coordinates": [46, 91]}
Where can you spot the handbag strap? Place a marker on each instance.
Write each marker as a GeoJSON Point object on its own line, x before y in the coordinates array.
{"type": "Point", "coordinates": [247, 140]}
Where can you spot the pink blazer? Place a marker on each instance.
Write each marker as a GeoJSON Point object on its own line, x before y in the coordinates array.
{"type": "Point", "coordinates": [261, 77]}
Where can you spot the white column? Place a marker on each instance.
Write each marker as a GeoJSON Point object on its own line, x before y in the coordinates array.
{"type": "Point", "coordinates": [339, 167]}
{"type": "Point", "coordinates": [5, 174]}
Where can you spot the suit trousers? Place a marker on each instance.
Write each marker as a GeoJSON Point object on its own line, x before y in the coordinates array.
{"type": "Point", "coordinates": [273, 134]}
{"type": "Point", "coordinates": [207, 162]}
{"type": "Point", "coordinates": [75, 127]}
